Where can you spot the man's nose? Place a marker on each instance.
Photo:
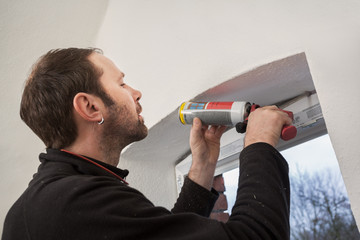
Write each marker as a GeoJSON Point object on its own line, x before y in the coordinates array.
{"type": "Point", "coordinates": [136, 94]}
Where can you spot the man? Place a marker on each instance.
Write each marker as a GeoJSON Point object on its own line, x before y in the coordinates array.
{"type": "Point", "coordinates": [77, 102]}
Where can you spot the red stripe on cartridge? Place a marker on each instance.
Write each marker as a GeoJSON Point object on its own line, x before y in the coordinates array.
{"type": "Point", "coordinates": [219, 105]}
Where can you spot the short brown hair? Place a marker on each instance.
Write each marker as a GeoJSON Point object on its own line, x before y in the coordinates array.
{"type": "Point", "coordinates": [47, 100]}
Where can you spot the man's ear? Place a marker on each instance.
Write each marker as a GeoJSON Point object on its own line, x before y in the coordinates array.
{"type": "Point", "coordinates": [88, 106]}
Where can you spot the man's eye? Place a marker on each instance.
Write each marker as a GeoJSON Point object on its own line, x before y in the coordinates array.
{"type": "Point", "coordinates": [122, 85]}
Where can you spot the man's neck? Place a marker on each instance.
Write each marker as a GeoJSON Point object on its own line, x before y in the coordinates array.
{"type": "Point", "coordinates": [109, 156]}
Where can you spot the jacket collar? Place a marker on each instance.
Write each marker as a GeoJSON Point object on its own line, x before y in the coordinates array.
{"type": "Point", "coordinates": [93, 167]}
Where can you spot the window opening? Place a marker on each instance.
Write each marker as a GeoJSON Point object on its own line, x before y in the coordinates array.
{"type": "Point", "coordinates": [320, 207]}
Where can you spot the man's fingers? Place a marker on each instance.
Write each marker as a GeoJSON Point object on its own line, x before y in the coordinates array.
{"type": "Point", "coordinates": [196, 125]}
{"type": "Point", "coordinates": [272, 107]}
{"type": "Point", "coordinates": [196, 129]}
{"type": "Point", "coordinates": [265, 125]}
{"type": "Point", "coordinates": [217, 130]}
{"type": "Point", "coordinates": [288, 120]}
{"type": "Point", "coordinates": [284, 117]}
{"type": "Point", "coordinates": [220, 130]}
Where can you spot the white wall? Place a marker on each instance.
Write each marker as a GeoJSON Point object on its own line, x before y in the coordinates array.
{"type": "Point", "coordinates": [174, 50]}
{"type": "Point", "coordinates": [29, 29]}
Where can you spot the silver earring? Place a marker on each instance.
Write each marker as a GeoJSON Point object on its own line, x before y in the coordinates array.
{"type": "Point", "coordinates": [102, 121]}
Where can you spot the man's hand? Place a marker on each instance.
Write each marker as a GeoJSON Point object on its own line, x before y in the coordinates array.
{"type": "Point", "coordinates": [265, 125]}
{"type": "Point", "coordinates": [205, 148]}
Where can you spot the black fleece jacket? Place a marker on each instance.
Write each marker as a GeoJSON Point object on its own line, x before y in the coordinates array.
{"type": "Point", "coordinates": [70, 198]}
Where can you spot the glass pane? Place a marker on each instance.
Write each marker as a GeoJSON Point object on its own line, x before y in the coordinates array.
{"type": "Point", "coordinates": [320, 208]}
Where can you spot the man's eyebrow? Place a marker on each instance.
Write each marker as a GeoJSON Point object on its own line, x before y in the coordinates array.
{"type": "Point", "coordinates": [121, 77]}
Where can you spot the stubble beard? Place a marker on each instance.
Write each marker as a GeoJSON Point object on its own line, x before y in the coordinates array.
{"type": "Point", "coordinates": [120, 129]}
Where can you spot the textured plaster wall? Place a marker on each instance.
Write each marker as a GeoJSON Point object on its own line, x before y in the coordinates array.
{"type": "Point", "coordinates": [28, 29]}
{"type": "Point", "coordinates": [174, 50]}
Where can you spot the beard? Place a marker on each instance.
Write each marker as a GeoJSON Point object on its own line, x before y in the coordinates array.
{"type": "Point", "coordinates": [121, 128]}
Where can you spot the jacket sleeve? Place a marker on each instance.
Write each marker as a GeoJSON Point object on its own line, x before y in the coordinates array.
{"type": "Point", "coordinates": [196, 199]}
{"type": "Point", "coordinates": [263, 196]}
{"type": "Point", "coordinates": [261, 210]}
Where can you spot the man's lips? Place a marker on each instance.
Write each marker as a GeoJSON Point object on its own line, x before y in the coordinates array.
{"type": "Point", "coordinates": [138, 109]}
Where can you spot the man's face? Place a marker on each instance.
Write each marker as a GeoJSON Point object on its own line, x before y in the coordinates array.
{"type": "Point", "coordinates": [123, 122]}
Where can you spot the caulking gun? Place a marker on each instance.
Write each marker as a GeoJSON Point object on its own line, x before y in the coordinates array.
{"type": "Point", "coordinates": [227, 114]}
